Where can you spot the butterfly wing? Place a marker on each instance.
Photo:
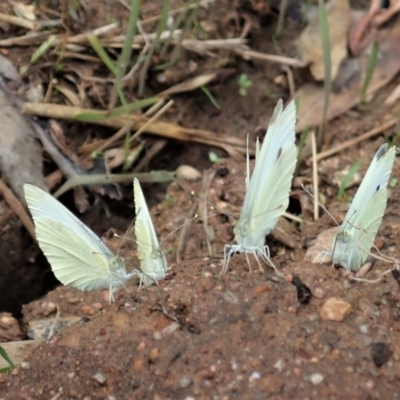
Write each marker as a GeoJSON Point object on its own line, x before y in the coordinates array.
{"type": "Point", "coordinates": [366, 211]}
{"type": "Point", "coordinates": [267, 195]}
{"type": "Point", "coordinates": [77, 255]}
{"type": "Point", "coordinates": [376, 178]}
{"type": "Point", "coordinates": [152, 260]}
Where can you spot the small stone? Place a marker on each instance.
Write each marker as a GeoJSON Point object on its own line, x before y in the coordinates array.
{"type": "Point", "coordinates": [73, 300]}
{"type": "Point", "coordinates": [141, 346]}
{"type": "Point", "coordinates": [381, 354]}
{"type": "Point", "coordinates": [154, 354]}
{"type": "Point", "coordinates": [319, 292]}
{"type": "Point", "coordinates": [335, 310]}
{"type": "Point", "coordinates": [25, 365]}
{"type": "Point", "coordinates": [7, 321]}
{"type": "Point", "coordinates": [185, 382]}
{"type": "Point", "coordinates": [187, 172]}
{"type": "Point", "coordinates": [316, 378]}
{"type": "Point", "coordinates": [87, 310]}
{"type": "Point", "coordinates": [97, 306]}
{"type": "Point", "coordinates": [157, 335]}
{"type": "Point", "coordinates": [15, 371]}
{"type": "Point", "coordinates": [261, 289]}
{"type": "Point", "coordinates": [100, 378]}
{"type": "Point", "coordinates": [72, 341]}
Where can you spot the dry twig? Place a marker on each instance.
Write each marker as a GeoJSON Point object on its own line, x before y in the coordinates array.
{"type": "Point", "coordinates": [18, 208]}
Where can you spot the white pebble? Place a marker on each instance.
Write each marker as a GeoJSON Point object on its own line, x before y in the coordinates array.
{"type": "Point", "coordinates": [316, 378]}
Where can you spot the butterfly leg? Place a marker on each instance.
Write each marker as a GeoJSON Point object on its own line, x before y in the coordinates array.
{"type": "Point", "coordinates": [249, 264]}
{"type": "Point", "coordinates": [227, 258]}
{"type": "Point", "coordinates": [325, 253]}
{"type": "Point", "coordinates": [258, 262]}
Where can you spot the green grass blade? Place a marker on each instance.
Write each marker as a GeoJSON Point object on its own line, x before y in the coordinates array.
{"type": "Point", "coordinates": [302, 143]}
{"type": "Point", "coordinates": [44, 48]}
{"type": "Point", "coordinates": [93, 116]}
{"type": "Point", "coordinates": [162, 23]}
{"type": "Point", "coordinates": [371, 65]}
{"type": "Point", "coordinates": [4, 354]}
{"type": "Point", "coordinates": [347, 179]}
{"type": "Point", "coordinates": [326, 49]}
{"type": "Point", "coordinates": [103, 55]}
{"type": "Point", "coordinates": [210, 97]}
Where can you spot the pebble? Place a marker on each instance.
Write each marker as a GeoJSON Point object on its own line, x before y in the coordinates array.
{"type": "Point", "coordinates": [73, 300]}
{"type": "Point", "coordinates": [319, 292]}
{"type": "Point", "coordinates": [185, 382]}
{"type": "Point", "coordinates": [72, 341]}
{"type": "Point", "coordinates": [189, 173]}
{"type": "Point", "coordinates": [335, 309]}
{"type": "Point", "coordinates": [154, 354]}
{"type": "Point", "coordinates": [7, 321]}
{"type": "Point", "coordinates": [261, 289]}
{"type": "Point", "coordinates": [99, 377]}
{"type": "Point", "coordinates": [316, 378]}
{"type": "Point", "coordinates": [25, 365]}
{"type": "Point", "coordinates": [87, 310]}
{"type": "Point", "coordinates": [97, 306]}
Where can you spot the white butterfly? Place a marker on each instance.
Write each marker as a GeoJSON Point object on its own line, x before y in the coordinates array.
{"type": "Point", "coordinates": [152, 260]}
{"type": "Point", "coordinates": [267, 190]}
{"type": "Point", "coordinates": [77, 255]}
{"type": "Point", "coordinates": [356, 235]}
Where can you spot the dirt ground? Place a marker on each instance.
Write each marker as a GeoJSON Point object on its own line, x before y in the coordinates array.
{"type": "Point", "coordinates": [248, 334]}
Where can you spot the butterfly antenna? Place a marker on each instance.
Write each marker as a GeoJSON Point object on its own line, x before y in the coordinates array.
{"type": "Point", "coordinates": [177, 229]}
{"type": "Point", "coordinates": [321, 205]}
{"type": "Point", "coordinates": [123, 238]}
{"type": "Point", "coordinates": [247, 180]}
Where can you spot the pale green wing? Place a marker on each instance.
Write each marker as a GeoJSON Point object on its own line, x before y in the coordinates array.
{"type": "Point", "coordinates": [44, 205]}
{"type": "Point", "coordinates": [267, 195]}
{"type": "Point", "coordinates": [74, 262]}
{"type": "Point", "coordinates": [366, 211]}
{"type": "Point", "coordinates": [77, 255]}
{"type": "Point", "coordinates": [376, 178]}
{"type": "Point", "coordinates": [369, 221]}
{"type": "Point", "coordinates": [152, 260]}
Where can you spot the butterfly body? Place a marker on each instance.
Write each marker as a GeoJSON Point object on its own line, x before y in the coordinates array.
{"type": "Point", "coordinates": [152, 260]}
{"type": "Point", "coordinates": [267, 194]}
{"type": "Point", "coordinates": [356, 235]}
{"type": "Point", "coordinates": [77, 256]}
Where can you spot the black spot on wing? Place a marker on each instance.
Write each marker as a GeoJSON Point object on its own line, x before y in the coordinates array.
{"type": "Point", "coordinates": [377, 188]}
{"type": "Point", "coordinates": [382, 151]}
{"type": "Point", "coordinates": [279, 153]}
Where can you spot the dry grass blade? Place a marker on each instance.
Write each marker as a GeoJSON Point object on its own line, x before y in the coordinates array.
{"type": "Point", "coordinates": [104, 179]}
{"type": "Point", "coordinates": [315, 174]}
{"type": "Point", "coordinates": [164, 129]}
{"type": "Point", "coordinates": [208, 176]}
{"type": "Point", "coordinates": [190, 84]}
{"type": "Point", "coordinates": [350, 143]}
{"type": "Point", "coordinates": [248, 54]}
{"type": "Point", "coordinates": [22, 22]}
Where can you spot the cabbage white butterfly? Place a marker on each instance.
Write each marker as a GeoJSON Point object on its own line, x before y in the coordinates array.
{"type": "Point", "coordinates": [267, 189]}
{"type": "Point", "coordinates": [77, 255]}
{"type": "Point", "coordinates": [356, 235]}
{"type": "Point", "coordinates": [152, 260]}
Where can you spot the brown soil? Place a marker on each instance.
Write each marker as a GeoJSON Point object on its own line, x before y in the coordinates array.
{"type": "Point", "coordinates": [246, 335]}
